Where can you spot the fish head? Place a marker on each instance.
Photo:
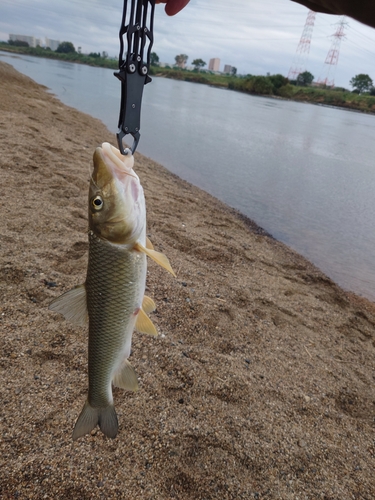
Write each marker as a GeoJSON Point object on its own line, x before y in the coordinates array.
{"type": "Point", "coordinates": [117, 208]}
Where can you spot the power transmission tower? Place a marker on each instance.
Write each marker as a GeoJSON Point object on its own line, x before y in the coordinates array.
{"type": "Point", "coordinates": [333, 55]}
{"type": "Point", "coordinates": [303, 48]}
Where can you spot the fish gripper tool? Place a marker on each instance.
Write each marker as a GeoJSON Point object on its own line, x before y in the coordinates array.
{"type": "Point", "coordinates": [134, 65]}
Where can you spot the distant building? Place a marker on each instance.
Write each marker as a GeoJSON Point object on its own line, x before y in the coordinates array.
{"type": "Point", "coordinates": [227, 69]}
{"type": "Point", "coordinates": [214, 64]}
{"type": "Point", "coordinates": [52, 44]}
{"type": "Point", "coordinates": [34, 42]}
{"type": "Point", "coordinates": [31, 40]}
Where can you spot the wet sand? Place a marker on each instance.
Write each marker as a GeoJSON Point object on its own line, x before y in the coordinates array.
{"type": "Point", "coordinates": [259, 385]}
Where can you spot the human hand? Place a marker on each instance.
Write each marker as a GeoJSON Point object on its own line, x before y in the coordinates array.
{"type": "Point", "coordinates": [173, 6]}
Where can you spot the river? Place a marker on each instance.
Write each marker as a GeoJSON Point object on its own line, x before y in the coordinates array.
{"type": "Point", "coordinates": [305, 173]}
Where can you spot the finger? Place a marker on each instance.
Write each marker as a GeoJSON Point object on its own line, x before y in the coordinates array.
{"type": "Point", "coordinates": [174, 6]}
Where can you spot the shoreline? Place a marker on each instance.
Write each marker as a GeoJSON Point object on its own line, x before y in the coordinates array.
{"type": "Point", "coordinates": [260, 383]}
{"type": "Point", "coordinates": [192, 77]}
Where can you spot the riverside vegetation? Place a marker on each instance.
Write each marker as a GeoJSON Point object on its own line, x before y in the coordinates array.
{"type": "Point", "coordinates": [271, 85]}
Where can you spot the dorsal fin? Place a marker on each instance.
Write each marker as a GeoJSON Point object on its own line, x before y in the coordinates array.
{"type": "Point", "coordinates": [72, 305]}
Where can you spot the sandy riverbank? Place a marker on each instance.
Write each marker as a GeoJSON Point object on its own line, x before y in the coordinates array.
{"type": "Point", "coordinates": [260, 384]}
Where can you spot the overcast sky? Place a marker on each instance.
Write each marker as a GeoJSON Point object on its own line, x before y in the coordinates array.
{"type": "Point", "coordinates": [255, 36]}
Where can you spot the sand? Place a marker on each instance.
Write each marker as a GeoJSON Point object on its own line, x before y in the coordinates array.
{"type": "Point", "coordinates": [260, 383]}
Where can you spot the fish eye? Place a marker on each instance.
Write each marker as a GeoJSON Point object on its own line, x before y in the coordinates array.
{"type": "Point", "coordinates": [97, 202]}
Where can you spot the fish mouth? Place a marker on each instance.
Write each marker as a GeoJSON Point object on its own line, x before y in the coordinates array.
{"type": "Point", "coordinates": [110, 165]}
{"type": "Point", "coordinates": [120, 165]}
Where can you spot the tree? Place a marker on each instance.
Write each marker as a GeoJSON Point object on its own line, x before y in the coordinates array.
{"type": "Point", "coordinates": [181, 60]}
{"type": "Point", "coordinates": [258, 85]}
{"type": "Point", "coordinates": [66, 48]}
{"type": "Point", "coordinates": [154, 59]}
{"type": "Point", "coordinates": [234, 71]}
{"type": "Point", "coordinates": [362, 83]}
{"type": "Point", "coordinates": [305, 78]}
{"type": "Point", "coordinates": [278, 81]}
{"type": "Point", "coordinates": [198, 63]}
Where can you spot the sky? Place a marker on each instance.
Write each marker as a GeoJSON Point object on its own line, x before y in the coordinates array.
{"type": "Point", "coordinates": [255, 36]}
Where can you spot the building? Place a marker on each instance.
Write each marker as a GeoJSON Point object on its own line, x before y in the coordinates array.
{"type": "Point", "coordinates": [52, 44]}
{"type": "Point", "coordinates": [227, 69]}
{"type": "Point", "coordinates": [214, 64]}
{"type": "Point", "coordinates": [31, 40]}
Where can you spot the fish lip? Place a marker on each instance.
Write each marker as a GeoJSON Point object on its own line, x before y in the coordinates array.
{"type": "Point", "coordinates": [114, 160]}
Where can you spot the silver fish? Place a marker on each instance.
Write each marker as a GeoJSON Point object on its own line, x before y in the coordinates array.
{"type": "Point", "coordinates": [112, 298]}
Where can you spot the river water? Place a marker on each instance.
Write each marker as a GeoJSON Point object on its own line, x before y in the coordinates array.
{"type": "Point", "coordinates": [305, 173]}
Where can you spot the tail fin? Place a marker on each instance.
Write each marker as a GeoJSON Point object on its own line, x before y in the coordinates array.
{"type": "Point", "coordinates": [90, 417]}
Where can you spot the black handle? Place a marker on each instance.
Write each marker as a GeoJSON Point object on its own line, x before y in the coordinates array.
{"type": "Point", "coordinates": [134, 64]}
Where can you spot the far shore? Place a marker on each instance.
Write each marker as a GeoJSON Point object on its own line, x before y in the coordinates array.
{"type": "Point", "coordinates": [281, 89]}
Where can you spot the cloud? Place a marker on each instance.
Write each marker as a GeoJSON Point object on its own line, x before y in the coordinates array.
{"type": "Point", "coordinates": [257, 37]}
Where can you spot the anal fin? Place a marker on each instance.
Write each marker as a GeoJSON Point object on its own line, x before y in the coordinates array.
{"type": "Point", "coordinates": [125, 377]}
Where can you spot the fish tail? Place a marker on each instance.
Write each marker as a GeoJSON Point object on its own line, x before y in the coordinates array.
{"type": "Point", "coordinates": [90, 417]}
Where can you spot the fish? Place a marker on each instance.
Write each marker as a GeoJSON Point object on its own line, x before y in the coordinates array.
{"type": "Point", "coordinates": [112, 300]}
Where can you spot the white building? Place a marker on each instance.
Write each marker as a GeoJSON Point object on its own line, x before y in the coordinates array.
{"type": "Point", "coordinates": [214, 64]}
{"type": "Point", "coordinates": [52, 44]}
{"type": "Point", "coordinates": [227, 69]}
{"type": "Point", "coordinates": [31, 40]}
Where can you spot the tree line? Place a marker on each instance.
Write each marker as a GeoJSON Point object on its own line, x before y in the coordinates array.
{"type": "Point", "coordinates": [181, 60]}
{"type": "Point", "coordinates": [361, 83]}
{"type": "Point", "coordinates": [278, 85]}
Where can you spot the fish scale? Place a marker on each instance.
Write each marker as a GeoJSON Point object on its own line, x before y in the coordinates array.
{"type": "Point", "coordinates": [115, 288]}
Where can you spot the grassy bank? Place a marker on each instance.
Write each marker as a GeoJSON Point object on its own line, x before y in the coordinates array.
{"type": "Point", "coordinates": [276, 86]}
{"type": "Point", "coordinates": [273, 85]}
{"type": "Point", "coordinates": [329, 97]}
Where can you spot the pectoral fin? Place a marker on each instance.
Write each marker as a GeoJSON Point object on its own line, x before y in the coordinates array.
{"type": "Point", "coordinates": [72, 305]}
{"type": "Point", "coordinates": [149, 244]}
{"type": "Point", "coordinates": [125, 377]}
{"type": "Point", "coordinates": [158, 257]}
{"type": "Point", "coordinates": [143, 324]}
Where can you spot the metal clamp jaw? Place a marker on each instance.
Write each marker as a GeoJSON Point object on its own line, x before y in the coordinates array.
{"type": "Point", "coordinates": [137, 25]}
